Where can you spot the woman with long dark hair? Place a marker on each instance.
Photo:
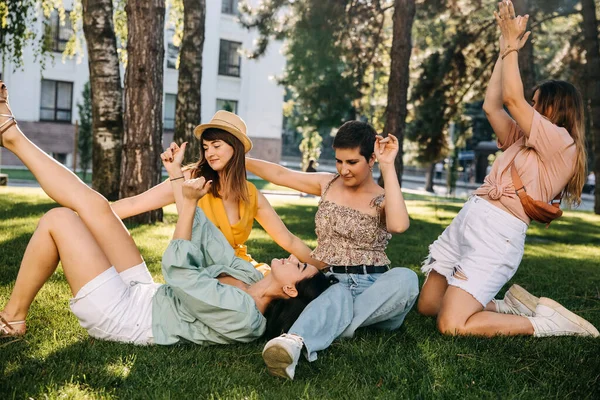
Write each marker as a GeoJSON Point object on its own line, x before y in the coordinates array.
{"type": "Point", "coordinates": [210, 296]}
{"type": "Point", "coordinates": [544, 159]}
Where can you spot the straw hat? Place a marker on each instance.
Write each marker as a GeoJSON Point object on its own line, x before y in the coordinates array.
{"type": "Point", "coordinates": [229, 122]}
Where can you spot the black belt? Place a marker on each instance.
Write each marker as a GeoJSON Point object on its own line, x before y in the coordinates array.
{"type": "Point", "coordinates": [359, 269]}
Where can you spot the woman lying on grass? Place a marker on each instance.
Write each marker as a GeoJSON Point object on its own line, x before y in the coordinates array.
{"type": "Point", "coordinates": [480, 251]}
{"type": "Point", "coordinates": [210, 296]}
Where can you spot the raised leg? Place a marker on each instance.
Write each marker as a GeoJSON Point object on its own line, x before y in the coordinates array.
{"type": "Point", "coordinates": [68, 190]}
{"type": "Point", "coordinates": [60, 235]}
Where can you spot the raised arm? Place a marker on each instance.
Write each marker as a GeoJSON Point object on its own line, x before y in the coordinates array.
{"type": "Point", "coordinates": [513, 32]}
{"type": "Point", "coordinates": [493, 106]}
{"type": "Point", "coordinates": [270, 221]}
{"type": "Point", "coordinates": [157, 197]}
{"type": "Point", "coordinates": [310, 183]}
{"type": "Point", "coordinates": [396, 214]}
{"type": "Point", "coordinates": [187, 195]}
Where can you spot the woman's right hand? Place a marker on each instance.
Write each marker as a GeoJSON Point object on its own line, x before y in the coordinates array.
{"type": "Point", "coordinates": [172, 158]}
{"type": "Point", "coordinates": [512, 27]}
{"type": "Point", "coordinates": [195, 189]}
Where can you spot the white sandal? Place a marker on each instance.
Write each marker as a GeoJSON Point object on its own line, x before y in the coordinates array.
{"type": "Point", "coordinates": [7, 328]}
{"type": "Point", "coordinates": [11, 118]}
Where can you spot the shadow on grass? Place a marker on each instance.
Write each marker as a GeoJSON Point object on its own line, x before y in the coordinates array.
{"type": "Point", "coordinates": [24, 209]}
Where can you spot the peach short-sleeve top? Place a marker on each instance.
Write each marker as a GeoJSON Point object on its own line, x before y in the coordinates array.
{"type": "Point", "coordinates": [545, 163]}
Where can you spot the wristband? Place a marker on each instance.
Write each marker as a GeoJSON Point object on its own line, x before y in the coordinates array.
{"type": "Point", "coordinates": [174, 179]}
{"type": "Point", "coordinates": [508, 51]}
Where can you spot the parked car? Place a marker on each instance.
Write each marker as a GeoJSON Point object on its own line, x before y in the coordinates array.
{"type": "Point", "coordinates": [590, 184]}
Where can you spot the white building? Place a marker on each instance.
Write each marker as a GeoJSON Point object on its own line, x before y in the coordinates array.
{"type": "Point", "coordinates": [45, 101]}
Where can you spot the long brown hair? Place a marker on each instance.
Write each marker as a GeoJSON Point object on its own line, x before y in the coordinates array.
{"type": "Point", "coordinates": [562, 104]}
{"type": "Point", "coordinates": [233, 186]}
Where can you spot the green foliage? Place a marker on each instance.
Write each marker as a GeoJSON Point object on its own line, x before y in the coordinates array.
{"type": "Point", "coordinates": [330, 46]}
{"type": "Point", "coordinates": [57, 359]}
{"type": "Point", "coordinates": [18, 21]}
{"type": "Point", "coordinates": [120, 23]}
{"type": "Point", "coordinates": [84, 139]}
{"type": "Point", "coordinates": [310, 146]}
{"type": "Point", "coordinates": [427, 127]}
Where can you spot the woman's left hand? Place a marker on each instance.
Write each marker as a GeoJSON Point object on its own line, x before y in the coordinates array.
{"type": "Point", "coordinates": [195, 189]}
{"type": "Point", "coordinates": [511, 27]}
{"type": "Point", "coordinates": [386, 149]}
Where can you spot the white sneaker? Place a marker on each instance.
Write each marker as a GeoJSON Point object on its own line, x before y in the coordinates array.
{"type": "Point", "coordinates": [552, 319]}
{"type": "Point", "coordinates": [281, 355]}
{"type": "Point", "coordinates": [517, 301]}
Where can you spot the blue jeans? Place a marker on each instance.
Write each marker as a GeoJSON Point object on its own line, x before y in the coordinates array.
{"type": "Point", "coordinates": [378, 300]}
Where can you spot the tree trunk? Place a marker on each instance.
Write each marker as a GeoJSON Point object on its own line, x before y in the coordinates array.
{"type": "Point", "coordinates": [142, 143]}
{"type": "Point", "coordinates": [107, 96]}
{"type": "Point", "coordinates": [429, 177]}
{"type": "Point", "coordinates": [526, 60]}
{"type": "Point", "coordinates": [188, 107]}
{"type": "Point", "coordinates": [592, 51]}
{"type": "Point", "coordinates": [395, 112]}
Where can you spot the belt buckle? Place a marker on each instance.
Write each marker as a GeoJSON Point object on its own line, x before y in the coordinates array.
{"type": "Point", "coordinates": [346, 269]}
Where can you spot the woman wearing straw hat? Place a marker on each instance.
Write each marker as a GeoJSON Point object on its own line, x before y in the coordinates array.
{"type": "Point", "coordinates": [232, 203]}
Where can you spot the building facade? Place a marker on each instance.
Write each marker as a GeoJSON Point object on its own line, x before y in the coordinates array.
{"type": "Point", "coordinates": [45, 100]}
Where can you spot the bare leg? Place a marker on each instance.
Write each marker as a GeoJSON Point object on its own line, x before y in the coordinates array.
{"type": "Point", "coordinates": [432, 293]}
{"type": "Point", "coordinates": [60, 234]}
{"type": "Point", "coordinates": [68, 190]}
{"type": "Point", "coordinates": [461, 314]}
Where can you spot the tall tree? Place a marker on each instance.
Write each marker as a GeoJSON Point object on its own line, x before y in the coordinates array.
{"type": "Point", "coordinates": [107, 96]}
{"type": "Point", "coordinates": [592, 51]}
{"type": "Point", "coordinates": [142, 141]}
{"type": "Point", "coordinates": [329, 47]}
{"type": "Point", "coordinates": [85, 134]}
{"type": "Point", "coordinates": [395, 112]}
{"type": "Point", "coordinates": [188, 106]}
{"type": "Point", "coordinates": [526, 57]}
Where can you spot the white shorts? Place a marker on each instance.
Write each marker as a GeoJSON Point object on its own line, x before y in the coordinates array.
{"type": "Point", "coordinates": [480, 250]}
{"type": "Point", "coordinates": [117, 307]}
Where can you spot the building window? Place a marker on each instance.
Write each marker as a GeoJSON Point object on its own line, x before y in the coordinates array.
{"type": "Point", "coordinates": [229, 58]}
{"type": "Point", "coordinates": [169, 120]}
{"type": "Point", "coordinates": [57, 99]}
{"type": "Point", "coordinates": [227, 105]}
{"type": "Point", "coordinates": [60, 157]}
{"type": "Point", "coordinates": [172, 51]}
{"type": "Point", "coordinates": [229, 7]}
{"type": "Point", "coordinates": [58, 34]}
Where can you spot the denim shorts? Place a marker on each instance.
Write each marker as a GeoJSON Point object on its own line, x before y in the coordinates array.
{"type": "Point", "coordinates": [117, 307]}
{"type": "Point", "coordinates": [480, 250]}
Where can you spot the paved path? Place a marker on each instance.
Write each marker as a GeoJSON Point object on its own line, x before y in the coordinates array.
{"type": "Point", "coordinates": [410, 184]}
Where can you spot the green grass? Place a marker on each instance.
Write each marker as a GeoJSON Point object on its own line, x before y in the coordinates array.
{"type": "Point", "coordinates": [58, 360]}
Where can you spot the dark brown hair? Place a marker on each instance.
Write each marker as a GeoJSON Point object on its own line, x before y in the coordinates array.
{"type": "Point", "coordinates": [233, 186]}
{"type": "Point", "coordinates": [562, 104]}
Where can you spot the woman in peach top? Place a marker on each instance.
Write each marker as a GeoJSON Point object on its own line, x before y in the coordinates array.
{"type": "Point", "coordinates": [481, 249]}
{"type": "Point", "coordinates": [233, 203]}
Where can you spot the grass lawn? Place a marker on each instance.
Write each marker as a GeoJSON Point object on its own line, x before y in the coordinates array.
{"type": "Point", "coordinates": [57, 359]}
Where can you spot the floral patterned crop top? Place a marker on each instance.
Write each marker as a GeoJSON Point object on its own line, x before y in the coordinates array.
{"type": "Point", "coordinates": [346, 236]}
